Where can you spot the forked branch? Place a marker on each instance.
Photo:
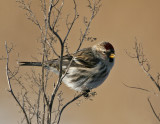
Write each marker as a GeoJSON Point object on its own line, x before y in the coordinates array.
{"type": "Point", "coordinates": [143, 62]}
{"type": "Point", "coordinates": [94, 8]}
{"type": "Point", "coordinates": [52, 28]}
{"type": "Point", "coordinates": [30, 15]}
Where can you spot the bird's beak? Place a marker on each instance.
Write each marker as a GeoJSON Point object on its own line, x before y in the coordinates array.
{"type": "Point", "coordinates": [112, 56]}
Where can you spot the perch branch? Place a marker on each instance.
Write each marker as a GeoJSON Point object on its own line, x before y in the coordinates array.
{"type": "Point", "coordinates": [68, 103]}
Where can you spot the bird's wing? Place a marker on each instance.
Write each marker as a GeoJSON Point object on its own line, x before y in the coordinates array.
{"type": "Point", "coordinates": [55, 63]}
{"type": "Point", "coordinates": [83, 58]}
{"type": "Point", "coordinates": [86, 58]}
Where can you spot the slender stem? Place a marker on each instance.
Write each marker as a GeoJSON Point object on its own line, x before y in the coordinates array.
{"type": "Point", "coordinates": [139, 88]}
{"type": "Point", "coordinates": [143, 63]}
{"type": "Point", "coordinates": [68, 103]}
{"type": "Point", "coordinates": [10, 87]}
{"type": "Point", "coordinates": [49, 22]}
{"type": "Point", "coordinates": [61, 57]}
{"type": "Point", "coordinates": [94, 12]}
{"type": "Point", "coordinates": [74, 19]}
{"type": "Point", "coordinates": [153, 110]}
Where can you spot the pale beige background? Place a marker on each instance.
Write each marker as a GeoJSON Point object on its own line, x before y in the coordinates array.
{"type": "Point", "coordinates": [119, 21]}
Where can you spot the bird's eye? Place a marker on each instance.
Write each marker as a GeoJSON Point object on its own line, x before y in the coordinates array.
{"type": "Point", "coordinates": [104, 52]}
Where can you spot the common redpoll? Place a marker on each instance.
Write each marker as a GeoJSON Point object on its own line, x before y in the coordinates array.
{"type": "Point", "coordinates": [89, 68]}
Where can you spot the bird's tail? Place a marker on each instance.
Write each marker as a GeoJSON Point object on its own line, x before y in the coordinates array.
{"type": "Point", "coordinates": [30, 63]}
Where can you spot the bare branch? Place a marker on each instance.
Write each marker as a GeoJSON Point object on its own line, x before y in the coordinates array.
{"type": "Point", "coordinates": [50, 45]}
{"type": "Point", "coordinates": [66, 48]}
{"type": "Point", "coordinates": [10, 86]}
{"type": "Point", "coordinates": [143, 62]}
{"type": "Point", "coordinates": [72, 23]}
{"type": "Point", "coordinates": [138, 88]}
{"type": "Point", "coordinates": [153, 110]}
{"type": "Point", "coordinates": [30, 15]}
{"type": "Point", "coordinates": [58, 15]}
{"type": "Point", "coordinates": [158, 77]}
{"type": "Point", "coordinates": [74, 99]}
{"type": "Point", "coordinates": [49, 20]}
{"type": "Point", "coordinates": [38, 107]}
{"type": "Point", "coordinates": [94, 10]}
{"type": "Point", "coordinates": [60, 104]}
{"type": "Point", "coordinates": [41, 110]}
{"type": "Point", "coordinates": [57, 86]}
{"type": "Point", "coordinates": [61, 55]}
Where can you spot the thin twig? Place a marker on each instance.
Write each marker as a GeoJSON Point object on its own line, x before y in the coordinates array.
{"type": "Point", "coordinates": [10, 86]}
{"type": "Point", "coordinates": [138, 88]}
{"type": "Point", "coordinates": [61, 57]}
{"type": "Point", "coordinates": [30, 15]}
{"type": "Point", "coordinates": [49, 21]}
{"type": "Point", "coordinates": [72, 23]}
{"type": "Point", "coordinates": [68, 103]}
{"type": "Point", "coordinates": [143, 62]}
{"type": "Point", "coordinates": [94, 9]}
{"type": "Point", "coordinates": [50, 45]}
{"type": "Point", "coordinates": [153, 110]}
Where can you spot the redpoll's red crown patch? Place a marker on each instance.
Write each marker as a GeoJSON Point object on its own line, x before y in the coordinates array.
{"type": "Point", "coordinates": [108, 46]}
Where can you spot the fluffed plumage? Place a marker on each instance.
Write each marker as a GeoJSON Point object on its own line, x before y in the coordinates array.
{"type": "Point", "coordinates": [89, 67]}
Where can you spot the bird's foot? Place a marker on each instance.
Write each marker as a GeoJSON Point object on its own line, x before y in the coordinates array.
{"type": "Point", "coordinates": [86, 93]}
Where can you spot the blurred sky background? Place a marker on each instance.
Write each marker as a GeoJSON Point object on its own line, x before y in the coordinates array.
{"type": "Point", "coordinates": [119, 22]}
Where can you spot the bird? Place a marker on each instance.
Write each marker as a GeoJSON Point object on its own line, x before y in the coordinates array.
{"type": "Point", "coordinates": [88, 67]}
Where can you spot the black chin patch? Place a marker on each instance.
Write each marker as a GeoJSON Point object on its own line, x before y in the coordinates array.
{"type": "Point", "coordinates": [110, 59]}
